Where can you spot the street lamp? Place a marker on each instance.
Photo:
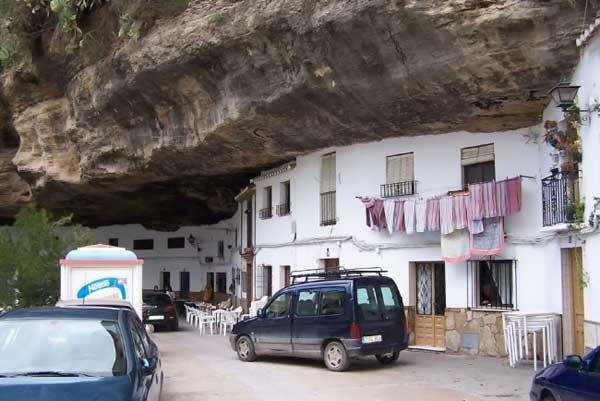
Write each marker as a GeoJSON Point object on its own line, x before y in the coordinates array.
{"type": "Point", "coordinates": [564, 94]}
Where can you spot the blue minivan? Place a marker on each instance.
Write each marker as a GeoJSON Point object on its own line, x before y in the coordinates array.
{"type": "Point", "coordinates": [335, 317]}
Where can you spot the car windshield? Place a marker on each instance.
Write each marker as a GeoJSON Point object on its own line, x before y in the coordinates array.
{"type": "Point", "coordinates": [160, 300]}
{"type": "Point", "coordinates": [63, 346]}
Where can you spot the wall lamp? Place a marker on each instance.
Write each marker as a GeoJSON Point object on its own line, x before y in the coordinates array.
{"type": "Point", "coordinates": [564, 95]}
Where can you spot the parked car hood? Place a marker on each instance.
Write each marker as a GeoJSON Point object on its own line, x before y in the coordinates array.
{"type": "Point", "coordinates": [66, 388]}
{"type": "Point", "coordinates": [244, 324]}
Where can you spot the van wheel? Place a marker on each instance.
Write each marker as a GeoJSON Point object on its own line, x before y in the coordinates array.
{"type": "Point", "coordinates": [336, 357]}
{"type": "Point", "coordinates": [245, 349]}
{"type": "Point", "coordinates": [389, 358]}
{"type": "Point", "coordinates": [548, 397]}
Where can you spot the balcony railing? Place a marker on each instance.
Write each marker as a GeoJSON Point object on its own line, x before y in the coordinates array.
{"type": "Point", "coordinates": [328, 208]}
{"type": "Point", "coordinates": [283, 209]}
{"type": "Point", "coordinates": [398, 189]}
{"type": "Point", "coordinates": [265, 213]}
{"type": "Point", "coordinates": [560, 193]}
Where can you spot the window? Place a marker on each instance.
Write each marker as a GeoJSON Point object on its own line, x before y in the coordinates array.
{"type": "Point", "coordinates": [400, 179]}
{"type": "Point", "coordinates": [478, 164]}
{"type": "Point", "coordinates": [176, 242]}
{"type": "Point", "coordinates": [208, 259]}
{"type": "Point", "coordinates": [492, 283]}
{"type": "Point", "coordinates": [143, 244]}
{"type": "Point", "coordinates": [596, 364]}
{"type": "Point", "coordinates": [138, 343]}
{"type": "Point", "coordinates": [367, 303]}
{"type": "Point", "coordinates": [391, 302]}
{"type": "Point", "coordinates": [267, 211]}
{"type": "Point", "coordinates": [308, 303]}
{"type": "Point", "coordinates": [328, 189]}
{"type": "Point", "coordinates": [222, 282]}
{"type": "Point", "coordinates": [332, 302]}
{"type": "Point", "coordinates": [221, 249]}
{"type": "Point", "coordinates": [283, 209]}
{"type": "Point", "coordinates": [113, 241]}
{"type": "Point", "coordinates": [249, 223]}
{"type": "Point", "coordinates": [279, 307]}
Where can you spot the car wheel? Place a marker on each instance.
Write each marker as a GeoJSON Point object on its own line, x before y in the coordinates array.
{"type": "Point", "coordinates": [245, 349]}
{"type": "Point", "coordinates": [336, 357]}
{"type": "Point", "coordinates": [548, 397]}
{"type": "Point", "coordinates": [389, 358]}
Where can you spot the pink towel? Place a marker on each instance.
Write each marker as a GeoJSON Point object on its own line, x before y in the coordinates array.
{"type": "Point", "coordinates": [459, 211]}
{"type": "Point", "coordinates": [489, 200]}
{"type": "Point", "coordinates": [433, 215]}
{"type": "Point", "coordinates": [399, 216]}
{"type": "Point", "coordinates": [513, 191]}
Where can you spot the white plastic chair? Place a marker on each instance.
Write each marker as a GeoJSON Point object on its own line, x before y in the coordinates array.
{"type": "Point", "coordinates": [206, 321]}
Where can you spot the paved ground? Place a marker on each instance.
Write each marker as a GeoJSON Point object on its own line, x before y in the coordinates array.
{"type": "Point", "coordinates": [205, 368]}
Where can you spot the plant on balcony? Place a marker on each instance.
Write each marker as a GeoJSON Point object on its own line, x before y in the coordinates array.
{"type": "Point", "coordinates": [576, 214]}
{"type": "Point", "coordinates": [567, 142]}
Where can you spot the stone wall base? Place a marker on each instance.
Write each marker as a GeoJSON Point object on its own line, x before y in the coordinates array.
{"type": "Point", "coordinates": [474, 332]}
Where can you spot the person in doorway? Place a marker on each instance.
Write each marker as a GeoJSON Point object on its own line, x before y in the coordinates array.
{"type": "Point", "coordinates": [155, 289]}
{"type": "Point", "coordinates": [170, 293]}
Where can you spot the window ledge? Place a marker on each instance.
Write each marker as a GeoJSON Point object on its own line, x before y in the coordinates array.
{"type": "Point", "coordinates": [494, 310]}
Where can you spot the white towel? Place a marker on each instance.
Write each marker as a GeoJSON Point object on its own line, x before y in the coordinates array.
{"type": "Point", "coordinates": [388, 206]}
{"type": "Point", "coordinates": [446, 223]}
{"type": "Point", "coordinates": [421, 215]}
{"type": "Point", "coordinates": [409, 216]}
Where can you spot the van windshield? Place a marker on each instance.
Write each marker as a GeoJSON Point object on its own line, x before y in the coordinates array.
{"type": "Point", "coordinates": [378, 302]}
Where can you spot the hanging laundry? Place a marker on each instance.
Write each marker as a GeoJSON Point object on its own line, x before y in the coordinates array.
{"type": "Point", "coordinates": [409, 216]}
{"type": "Point", "coordinates": [488, 190]}
{"type": "Point", "coordinates": [433, 215]}
{"type": "Point", "coordinates": [491, 241]}
{"type": "Point", "coordinates": [399, 215]}
{"type": "Point", "coordinates": [513, 198]}
{"type": "Point", "coordinates": [455, 246]}
{"type": "Point", "coordinates": [421, 216]}
{"type": "Point", "coordinates": [474, 226]}
{"type": "Point", "coordinates": [459, 211]}
{"type": "Point", "coordinates": [446, 220]}
{"type": "Point", "coordinates": [375, 213]}
{"type": "Point", "coordinates": [501, 203]}
{"type": "Point", "coordinates": [369, 204]}
{"type": "Point", "coordinates": [476, 201]}
{"type": "Point", "coordinates": [389, 206]}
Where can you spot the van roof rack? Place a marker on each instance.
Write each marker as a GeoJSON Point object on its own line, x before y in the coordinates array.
{"type": "Point", "coordinates": [342, 273]}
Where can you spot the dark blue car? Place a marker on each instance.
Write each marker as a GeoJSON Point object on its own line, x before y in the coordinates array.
{"type": "Point", "coordinates": [74, 354]}
{"type": "Point", "coordinates": [575, 379]}
{"type": "Point", "coordinates": [335, 320]}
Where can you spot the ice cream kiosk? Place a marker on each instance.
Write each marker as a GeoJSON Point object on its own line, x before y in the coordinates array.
{"type": "Point", "coordinates": [102, 272]}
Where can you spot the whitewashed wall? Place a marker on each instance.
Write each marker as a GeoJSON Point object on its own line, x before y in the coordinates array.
{"type": "Point", "coordinates": [161, 258]}
{"type": "Point", "coordinates": [586, 75]}
{"type": "Point", "coordinates": [361, 169]}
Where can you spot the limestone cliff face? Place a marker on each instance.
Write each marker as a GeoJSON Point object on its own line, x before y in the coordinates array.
{"type": "Point", "coordinates": [165, 130]}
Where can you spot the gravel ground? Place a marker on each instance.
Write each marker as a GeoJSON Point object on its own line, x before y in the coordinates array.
{"type": "Point", "coordinates": [205, 368]}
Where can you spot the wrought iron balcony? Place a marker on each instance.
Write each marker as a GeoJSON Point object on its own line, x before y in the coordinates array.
{"type": "Point", "coordinates": [265, 213]}
{"type": "Point", "coordinates": [560, 194]}
{"type": "Point", "coordinates": [283, 209]}
{"type": "Point", "coordinates": [328, 208]}
{"type": "Point", "coordinates": [398, 189]}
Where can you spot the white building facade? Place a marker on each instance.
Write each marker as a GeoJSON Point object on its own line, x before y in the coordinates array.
{"type": "Point", "coordinates": [306, 215]}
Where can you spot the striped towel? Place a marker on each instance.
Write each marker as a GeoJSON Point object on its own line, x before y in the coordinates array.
{"type": "Point", "coordinates": [421, 216]}
{"type": "Point", "coordinates": [489, 200]}
{"type": "Point", "coordinates": [459, 211]}
{"type": "Point", "coordinates": [446, 223]}
{"type": "Point", "coordinates": [433, 214]}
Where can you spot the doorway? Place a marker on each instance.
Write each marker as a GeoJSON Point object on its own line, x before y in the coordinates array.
{"type": "Point", "coordinates": [573, 309]}
{"type": "Point", "coordinates": [184, 284]}
{"type": "Point", "coordinates": [430, 323]}
{"type": "Point", "coordinates": [165, 280]}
